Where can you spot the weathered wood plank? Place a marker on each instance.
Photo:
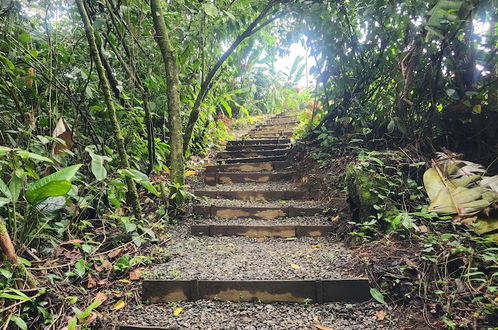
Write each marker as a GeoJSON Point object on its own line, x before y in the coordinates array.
{"type": "Point", "coordinates": [318, 291]}
{"type": "Point", "coordinates": [144, 327]}
{"type": "Point", "coordinates": [249, 167]}
{"type": "Point", "coordinates": [251, 154]}
{"type": "Point", "coordinates": [261, 230]}
{"type": "Point", "coordinates": [253, 195]}
{"type": "Point", "coordinates": [253, 159]}
{"type": "Point", "coordinates": [245, 177]}
{"type": "Point", "coordinates": [252, 142]}
{"type": "Point", "coordinates": [266, 213]}
{"type": "Point", "coordinates": [257, 147]}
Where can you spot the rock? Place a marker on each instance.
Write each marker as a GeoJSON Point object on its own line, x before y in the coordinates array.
{"type": "Point", "coordinates": [363, 187]}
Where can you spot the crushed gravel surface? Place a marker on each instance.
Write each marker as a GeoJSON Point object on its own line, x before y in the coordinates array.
{"type": "Point", "coordinates": [241, 258]}
{"type": "Point", "coordinates": [209, 315]}
{"type": "Point", "coordinates": [304, 220]}
{"type": "Point", "coordinates": [248, 203]}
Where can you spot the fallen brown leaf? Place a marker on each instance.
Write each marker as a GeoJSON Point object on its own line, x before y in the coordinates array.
{"type": "Point", "coordinates": [115, 253]}
{"type": "Point", "coordinates": [91, 282]}
{"type": "Point", "coordinates": [100, 296]}
{"type": "Point", "coordinates": [107, 264]}
{"type": "Point", "coordinates": [136, 273]}
{"type": "Point", "coordinates": [380, 315]}
{"type": "Point", "coordinates": [71, 242]}
{"type": "Point", "coordinates": [410, 263]}
{"type": "Point", "coordinates": [321, 327]}
{"type": "Point", "coordinates": [335, 218]}
{"type": "Point", "coordinates": [423, 229]}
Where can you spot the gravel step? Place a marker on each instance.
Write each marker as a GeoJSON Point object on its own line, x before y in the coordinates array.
{"type": "Point", "coordinates": [252, 142]}
{"type": "Point", "coordinates": [211, 178]}
{"type": "Point", "coordinates": [250, 186]}
{"type": "Point", "coordinates": [251, 154]}
{"type": "Point", "coordinates": [210, 315]}
{"type": "Point", "coordinates": [300, 220]}
{"type": "Point", "coordinates": [245, 258]}
{"type": "Point", "coordinates": [249, 167]}
{"type": "Point", "coordinates": [283, 231]}
{"type": "Point", "coordinates": [252, 160]}
{"type": "Point", "coordinates": [220, 202]}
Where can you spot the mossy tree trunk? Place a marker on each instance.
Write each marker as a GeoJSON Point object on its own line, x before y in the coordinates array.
{"type": "Point", "coordinates": [106, 89]}
{"type": "Point", "coordinates": [174, 116]}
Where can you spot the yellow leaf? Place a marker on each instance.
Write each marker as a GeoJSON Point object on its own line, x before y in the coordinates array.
{"type": "Point", "coordinates": [189, 173]}
{"type": "Point", "coordinates": [477, 109]}
{"type": "Point", "coordinates": [120, 304]}
{"type": "Point", "coordinates": [295, 266]}
{"type": "Point", "coordinates": [316, 246]}
{"type": "Point", "coordinates": [177, 311]}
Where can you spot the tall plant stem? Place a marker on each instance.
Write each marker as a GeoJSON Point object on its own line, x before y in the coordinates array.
{"type": "Point", "coordinates": [106, 89]}
{"type": "Point", "coordinates": [174, 116]}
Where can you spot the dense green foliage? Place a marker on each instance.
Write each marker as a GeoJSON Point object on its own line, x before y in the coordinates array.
{"type": "Point", "coordinates": [414, 71]}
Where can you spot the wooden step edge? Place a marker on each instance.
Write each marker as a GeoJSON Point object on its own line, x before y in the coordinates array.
{"type": "Point", "coordinates": [260, 147]}
{"type": "Point", "coordinates": [249, 167]}
{"type": "Point", "coordinates": [214, 178]}
{"type": "Point", "coordinates": [252, 159]}
{"type": "Point", "coordinates": [144, 327]}
{"type": "Point", "coordinates": [255, 212]}
{"type": "Point", "coordinates": [253, 195]}
{"type": "Point", "coordinates": [282, 231]}
{"type": "Point", "coordinates": [258, 141]}
{"type": "Point", "coordinates": [265, 291]}
{"type": "Point", "coordinates": [251, 154]}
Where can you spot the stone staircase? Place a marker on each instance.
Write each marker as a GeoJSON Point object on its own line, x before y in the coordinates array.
{"type": "Point", "coordinates": [249, 193]}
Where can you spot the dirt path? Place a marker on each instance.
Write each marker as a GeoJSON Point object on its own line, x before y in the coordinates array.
{"type": "Point", "coordinates": [258, 255]}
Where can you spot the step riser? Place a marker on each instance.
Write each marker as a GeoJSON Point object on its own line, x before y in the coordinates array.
{"type": "Point", "coordinates": [270, 133]}
{"type": "Point", "coordinates": [145, 327]}
{"type": "Point", "coordinates": [258, 148]}
{"type": "Point", "coordinates": [261, 231]}
{"type": "Point", "coordinates": [247, 177]}
{"type": "Point", "coordinates": [251, 154]}
{"type": "Point", "coordinates": [290, 124]}
{"type": "Point", "coordinates": [253, 160]}
{"type": "Point", "coordinates": [267, 136]}
{"type": "Point", "coordinates": [253, 195]}
{"type": "Point", "coordinates": [249, 167]}
{"type": "Point", "coordinates": [299, 291]}
{"type": "Point", "coordinates": [264, 213]}
{"type": "Point", "coordinates": [257, 142]}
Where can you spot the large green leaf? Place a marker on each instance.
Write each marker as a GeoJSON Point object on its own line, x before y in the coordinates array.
{"type": "Point", "coordinates": [210, 9]}
{"type": "Point", "coordinates": [51, 189]}
{"type": "Point", "coordinates": [15, 188]}
{"type": "Point", "coordinates": [4, 189]}
{"type": "Point", "coordinates": [56, 184]}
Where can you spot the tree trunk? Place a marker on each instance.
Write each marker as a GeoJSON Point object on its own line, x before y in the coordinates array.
{"type": "Point", "coordinates": [174, 115]}
{"type": "Point", "coordinates": [106, 89]}
{"type": "Point", "coordinates": [9, 251]}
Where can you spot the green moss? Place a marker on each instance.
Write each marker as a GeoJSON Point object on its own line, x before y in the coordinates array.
{"type": "Point", "coordinates": [360, 186]}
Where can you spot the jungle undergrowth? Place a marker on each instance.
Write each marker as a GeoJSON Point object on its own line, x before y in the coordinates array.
{"type": "Point", "coordinates": [446, 271]}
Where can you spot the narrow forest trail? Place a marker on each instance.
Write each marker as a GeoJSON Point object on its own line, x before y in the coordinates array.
{"type": "Point", "coordinates": [256, 239]}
